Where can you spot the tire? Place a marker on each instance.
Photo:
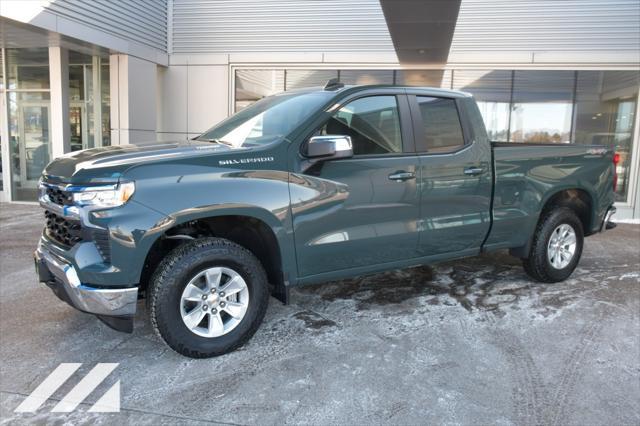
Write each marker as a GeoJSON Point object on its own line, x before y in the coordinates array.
{"type": "Point", "coordinates": [196, 264]}
{"type": "Point", "coordinates": [538, 265]}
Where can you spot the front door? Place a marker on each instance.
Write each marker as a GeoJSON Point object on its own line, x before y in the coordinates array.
{"type": "Point", "coordinates": [454, 179]}
{"type": "Point", "coordinates": [361, 211]}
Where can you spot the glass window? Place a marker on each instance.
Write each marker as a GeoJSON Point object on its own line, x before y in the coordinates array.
{"type": "Point", "coordinates": [297, 79]}
{"type": "Point", "coordinates": [28, 118]}
{"type": "Point", "coordinates": [424, 78]}
{"type": "Point", "coordinates": [366, 76]}
{"type": "Point", "coordinates": [76, 82]}
{"type": "Point", "coordinates": [492, 92]}
{"type": "Point", "coordinates": [80, 101]}
{"type": "Point", "coordinates": [27, 68]}
{"type": "Point", "coordinates": [88, 101]}
{"type": "Point", "coordinates": [29, 124]}
{"type": "Point", "coordinates": [105, 98]}
{"type": "Point", "coordinates": [253, 85]}
{"type": "Point", "coordinates": [542, 106]}
{"type": "Point", "coordinates": [373, 123]}
{"type": "Point", "coordinates": [268, 120]}
{"type": "Point", "coordinates": [442, 129]}
{"type": "Point", "coordinates": [605, 115]}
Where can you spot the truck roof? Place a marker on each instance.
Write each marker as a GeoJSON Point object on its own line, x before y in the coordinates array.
{"type": "Point", "coordinates": [433, 91]}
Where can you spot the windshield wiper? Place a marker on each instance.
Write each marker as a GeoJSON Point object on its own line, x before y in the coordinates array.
{"type": "Point", "coordinates": [220, 141]}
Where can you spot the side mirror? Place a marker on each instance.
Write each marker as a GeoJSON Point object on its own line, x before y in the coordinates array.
{"type": "Point", "coordinates": [329, 147]}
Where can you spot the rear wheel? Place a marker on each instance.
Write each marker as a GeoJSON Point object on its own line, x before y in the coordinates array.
{"type": "Point", "coordinates": [557, 246]}
{"type": "Point", "coordinates": [208, 297]}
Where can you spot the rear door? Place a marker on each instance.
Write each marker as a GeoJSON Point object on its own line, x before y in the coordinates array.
{"type": "Point", "coordinates": [360, 211]}
{"type": "Point", "coordinates": [454, 177]}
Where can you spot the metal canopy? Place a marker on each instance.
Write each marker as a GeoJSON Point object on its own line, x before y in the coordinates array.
{"type": "Point", "coordinates": [14, 34]}
{"type": "Point", "coordinates": [421, 30]}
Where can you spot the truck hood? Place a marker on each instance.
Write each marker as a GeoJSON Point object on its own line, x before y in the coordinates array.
{"type": "Point", "coordinates": [99, 165]}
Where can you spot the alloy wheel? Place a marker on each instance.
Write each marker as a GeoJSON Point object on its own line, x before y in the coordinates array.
{"type": "Point", "coordinates": [214, 302]}
{"type": "Point", "coordinates": [562, 246]}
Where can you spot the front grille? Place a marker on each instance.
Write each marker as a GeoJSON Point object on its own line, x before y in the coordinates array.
{"type": "Point", "coordinates": [64, 231]}
{"type": "Point", "coordinates": [59, 197]}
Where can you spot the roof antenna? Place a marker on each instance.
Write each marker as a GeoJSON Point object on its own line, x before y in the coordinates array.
{"type": "Point", "coordinates": [333, 84]}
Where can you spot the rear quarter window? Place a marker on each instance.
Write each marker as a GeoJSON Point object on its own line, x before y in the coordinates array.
{"type": "Point", "coordinates": [441, 123]}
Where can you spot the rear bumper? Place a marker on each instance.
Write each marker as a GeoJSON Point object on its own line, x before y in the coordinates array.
{"type": "Point", "coordinates": [606, 222]}
{"type": "Point", "coordinates": [115, 306]}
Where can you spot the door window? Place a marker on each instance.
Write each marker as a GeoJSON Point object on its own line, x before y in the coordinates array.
{"type": "Point", "coordinates": [373, 123]}
{"type": "Point", "coordinates": [442, 129]}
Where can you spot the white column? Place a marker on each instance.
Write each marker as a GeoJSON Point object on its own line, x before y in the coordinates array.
{"type": "Point", "coordinates": [5, 146]}
{"type": "Point", "coordinates": [60, 133]}
{"type": "Point", "coordinates": [133, 99]}
{"type": "Point", "coordinates": [5, 194]}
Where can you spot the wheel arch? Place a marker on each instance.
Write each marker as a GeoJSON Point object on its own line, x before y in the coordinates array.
{"type": "Point", "coordinates": [258, 230]}
{"type": "Point", "coordinates": [576, 198]}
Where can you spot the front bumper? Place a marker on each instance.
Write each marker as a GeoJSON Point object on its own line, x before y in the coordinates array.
{"type": "Point", "coordinates": [606, 222]}
{"type": "Point", "coordinates": [115, 306]}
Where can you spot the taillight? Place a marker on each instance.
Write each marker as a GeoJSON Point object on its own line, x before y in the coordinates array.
{"type": "Point", "coordinates": [616, 160]}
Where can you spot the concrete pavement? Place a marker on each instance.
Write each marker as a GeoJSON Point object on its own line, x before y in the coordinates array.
{"type": "Point", "coordinates": [467, 342]}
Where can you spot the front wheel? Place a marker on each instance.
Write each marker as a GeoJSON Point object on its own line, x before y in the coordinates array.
{"type": "Point", "coordinates": [557, 246]}
{"type": "Point", "coordinates": [208, 297]}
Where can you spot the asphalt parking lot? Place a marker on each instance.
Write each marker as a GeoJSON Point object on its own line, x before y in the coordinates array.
{"type": "Point", "coordinates": [466, 342]}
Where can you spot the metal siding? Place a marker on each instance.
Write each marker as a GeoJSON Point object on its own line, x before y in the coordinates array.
{"type": "Point", "coordinates": [485, 85]}
{"type": "Point", "coordinates": [547, 25]}
{"type": "Point", "coordinates": [223, 26]}
{"type": "Point", "coordinates": [297, 79]}
{"type": "Point", "coordinates": [141, 21]}
{"type": "Point", "coordinates": [262, 82]}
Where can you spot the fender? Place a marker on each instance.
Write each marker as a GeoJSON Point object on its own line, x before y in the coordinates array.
{"type": "Point", "coordinates": [281, 228]}
{"type": "Point", "coordinates": [198, 190]}
{"type": "Point", "coordinates": [589, 190]}
{"type": "Point", "coordinates": [524, 250]}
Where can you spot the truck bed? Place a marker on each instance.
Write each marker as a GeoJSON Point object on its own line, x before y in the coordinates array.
{"type": "Point", "coordinates": [527, 175]}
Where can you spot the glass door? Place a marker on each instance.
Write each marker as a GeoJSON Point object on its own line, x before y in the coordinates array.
{"type": "Point", "coordinates": [33, 146]}
{"type": "Point", "coordinates": [78, 123]}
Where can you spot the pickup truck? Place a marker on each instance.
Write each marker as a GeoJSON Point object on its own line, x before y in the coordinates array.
{"type": "Point", "coordinates": [305, 187]}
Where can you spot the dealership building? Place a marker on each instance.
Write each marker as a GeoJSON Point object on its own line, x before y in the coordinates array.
{"type": "Point", "coordinates": [78, 74]}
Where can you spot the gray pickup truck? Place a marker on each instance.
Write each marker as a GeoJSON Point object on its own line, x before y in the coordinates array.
{"type": "Point", "coordinates": [305, 187]}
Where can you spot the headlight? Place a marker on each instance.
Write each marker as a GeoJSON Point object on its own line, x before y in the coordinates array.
{"type": "Point", "coordinates": [104, 196]}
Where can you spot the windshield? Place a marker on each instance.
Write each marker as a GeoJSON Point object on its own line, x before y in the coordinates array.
{"type": "Point", "coordinates": [269, 120]}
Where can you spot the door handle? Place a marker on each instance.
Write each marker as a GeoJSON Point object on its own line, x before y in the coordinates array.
{"type": "Point", "coordinates": [473, 171]}
{"type": "Point", "coordinates": [402, 176]}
